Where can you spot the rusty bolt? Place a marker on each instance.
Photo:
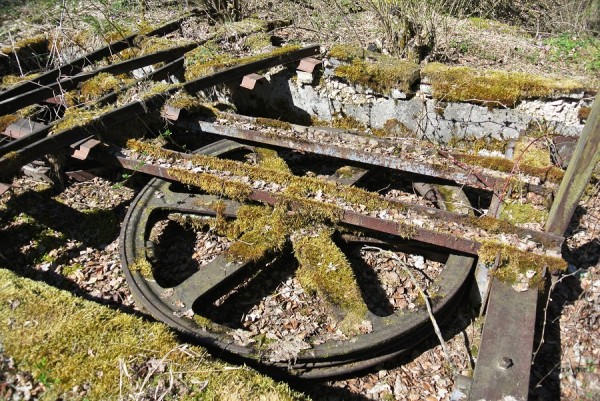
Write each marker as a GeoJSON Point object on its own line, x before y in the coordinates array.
{"type": "Point", "coordinates": [505, 363]}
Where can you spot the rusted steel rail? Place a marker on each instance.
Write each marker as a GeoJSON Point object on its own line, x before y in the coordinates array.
{"type": "Point", "coordinates": [402, 162]}
{"type": "Point", "coordinates": [76, 66]}
{"type": "Point", "coordinates": [13, 104]}
{"type": "Point", "coordinates": [34, 150]}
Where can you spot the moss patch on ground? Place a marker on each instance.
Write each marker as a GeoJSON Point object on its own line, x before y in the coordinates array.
{"type": "Point", "coordinates": [324, 270]}
{"type": "Point", "coordinates": [461, 84]}
{"type": "Point", "coordinates": [518, 213]}
{"type": "Point", "coordinates": [382, 76]}
{"type": "Point", "coordinates": [83, 343]}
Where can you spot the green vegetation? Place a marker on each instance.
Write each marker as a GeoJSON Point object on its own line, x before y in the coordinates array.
{"type": "Point", "coordinates": [347, 123]}
{"type": "Point", "coordinates": [382, 76]}
{"type": "Point", "coordinates": [67, 341]}
{"type": "Point", "coordinates": [269, 122]}
{"type": "Point", "coordinates": [463, 84]}
{"type": "Point", "coordinates": [548, 173]}
{"type": "Point", "coordinates": [578, 49]}
{"type": "Point", "coordinates": [324, 270]}
{"type": "Point", "coordinates": [517, 213]}
{"type": "Point", "coordinates": [258, 41]}
{"type": "Point", "coordinates": [142, 266]}
{"type": "Point", "coordinates": [515, 264]}
{"type": "Point", "coordinates": [37, 44]}
{"type": "Point", "coordinates": [79, 117]}
{"type": "Point", "coordinates": [270, 160]}
{"type": "Point", "coordinates": [204, 61]}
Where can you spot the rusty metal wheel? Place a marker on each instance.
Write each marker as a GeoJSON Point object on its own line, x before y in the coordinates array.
{"type": "Point", "coordinates": [176, 302]}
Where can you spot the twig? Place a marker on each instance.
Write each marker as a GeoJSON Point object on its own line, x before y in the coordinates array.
{"type": "Point", "coordinates": [436, 328]}
{"type": "Point", "coordinates": [12, 42]}
{"type": "Point", "coordinates": [552, 287]}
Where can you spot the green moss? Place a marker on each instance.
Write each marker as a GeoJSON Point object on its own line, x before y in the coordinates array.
{"type": "Point", "coordinates": [516, 213]}
{"type": "Point", "coordinates": [515, 264]}
{"type": "Point", "coordinates": [549, 173]}
{"type": "Point", "coordinates": [324, 270]}
{"type": "Point", "coordinates": [11, 80]}
{"type": "Point", "coordinates": [270, 160]}
{"type": "Point", "coordinates": [192, 104]}
{"type": "Point", "coordinates": [153, 44]}
{"type": "Point", "coordinates": [142, 266]}
{"type": "Point", "coordinates": [37, 43]}
{"type": "Point", "coordinates": [243, 27]}
{"type": "Point", "coordinates": [535, 155]}
{"type": "Point", "coordinates": [269, 122]}
{"type": "Point", "coordinates": [79, 117]}
{"type": "Point", "coordinates": [212, 184]}
{"type": "Point", "coordinates": [70, 269]}
{"type": "Point", "coordinates": [7, 120]}
{"type": "Point", "coordinates": [347, 122]}
{"type": "Point", "coordinates": [346, 171]}
{"type": "Point", "coordinates": [200, 63]}
{"type": "Point", "coordinates": [258, 41]}
{"type": "Point", "coordinates": [473, 145]}
{"type": "Point", "coordinates": [463, 84]}
{"type": "Point", "coordinates": [263, 229]}
{"type": "Point", "coordinates": [349, 53]}
{"type": "Point", "coordinates": [382, 76]}
{"type": "Point", "coordinates": [393, 128]}
{"type": "Point", "coordinates": [297, 188]}
{"type": "Point", "coordinates": [84, 344]}
{"type": "Point", "coordinates": [98, 86]}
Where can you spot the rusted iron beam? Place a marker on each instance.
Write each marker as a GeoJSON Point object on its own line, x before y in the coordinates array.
{"type": "Point", "coordinates": [422, 167]}
{"type": "Point", "coordinates": [36, 149]}
{"type": "Point", "coordinates": [25, 140]}
{"type": "Point", "coordinates": [504, 359]}
{"type": "Point", "coordinates": [77, 65]}
{"type": "Point", "coordinates": [579, 172]}
{"type": "Point", "coordinates": [39, 94]}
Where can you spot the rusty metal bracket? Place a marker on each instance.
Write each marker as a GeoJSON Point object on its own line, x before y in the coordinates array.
{"type": "Point", "coordinates": [22, 128]}
{"type": "Point", "coordinates": [4, 187]}
{"type": "Point", "coordinates": [309, 64]}
{"type": "Point", "coordinates": [82, 149]}
{"type": "Point", "coordinates": [249, 81]}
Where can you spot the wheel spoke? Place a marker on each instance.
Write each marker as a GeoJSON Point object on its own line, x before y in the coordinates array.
{"type": "Point", "coordinates": [214, 278]}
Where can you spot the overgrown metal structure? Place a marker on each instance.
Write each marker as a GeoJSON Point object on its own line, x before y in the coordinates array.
{"type": "Point", "coordinates": [503, 364]}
